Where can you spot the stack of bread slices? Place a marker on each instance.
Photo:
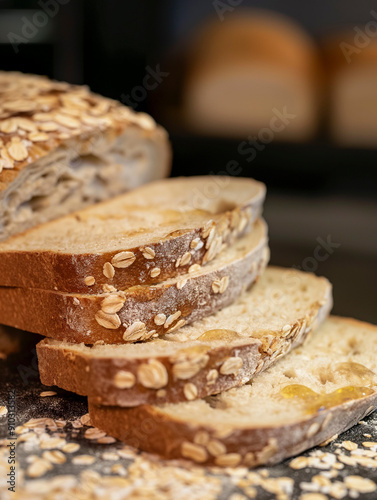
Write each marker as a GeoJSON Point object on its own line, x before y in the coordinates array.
{"type": "Point", "coordinates": [159, 306]}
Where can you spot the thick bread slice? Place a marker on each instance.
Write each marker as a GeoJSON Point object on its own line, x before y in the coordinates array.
{"type": "Point", "coordinates": [211, 355]}
{"type": "Point", "coordinates": [140, 312]}
{"type": "Point", "coordinates": [272, 418]}
{"type": "Point", "coordinates": [162, 228]}
{"type": "Point", "coordinates": [63, 148]}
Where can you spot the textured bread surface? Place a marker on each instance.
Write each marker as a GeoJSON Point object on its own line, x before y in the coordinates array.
{"type": "Point", "coordinates": [243, 70]}
{"type": "Point", "coordinates": [255, 424]}
{"type": "Point", "coordinates": [140, 312]}
{"type": "Point", "coordinates": [216, 353]}
{"type": "Point", "coordinates": [63, 148]}
{"type": "Point", "coordinates": [166, 226]}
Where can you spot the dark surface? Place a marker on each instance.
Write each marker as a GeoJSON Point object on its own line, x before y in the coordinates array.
{"type": "Point", "coordinates": [20, 373]}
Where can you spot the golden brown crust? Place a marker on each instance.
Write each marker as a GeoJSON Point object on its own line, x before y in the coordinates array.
{"type": "Point", "coordinates": [97, 376]}
{"type": "Point", "coordinates": [146, 428]}
{"type": "Point", "coordinates": [151, 429]}
{"type": "Point", "coordinates": [68, 272]}
{"type": "Point", "coordinates": [205, 367]}
{"type": "Point", "coordinates": [84, 318]}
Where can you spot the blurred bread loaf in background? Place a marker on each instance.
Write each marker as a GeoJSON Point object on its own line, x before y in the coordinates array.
{"type": "Point", "coordinates": [255, 69]}
{"type": "Point", "coordinates": [352, 81]}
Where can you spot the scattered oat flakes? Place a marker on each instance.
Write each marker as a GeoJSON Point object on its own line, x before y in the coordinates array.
{"type": "Point", "coordinates": [46, 394]}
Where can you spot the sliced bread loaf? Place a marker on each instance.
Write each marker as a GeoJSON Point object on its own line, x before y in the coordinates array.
{"type": "Point", "coordinates": [63, 148]}
{"type": "Point", "coordinates": [146, 236]}
{"type": "Point", "coordinates": [211, 355]}
{"type": "Point", "coordinates": [143, 311]}
{"type": "Point", "coordinates": [316, 391]}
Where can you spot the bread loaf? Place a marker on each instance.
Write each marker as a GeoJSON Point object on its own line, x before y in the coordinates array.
{"type": "Point", "coordinates": [316, 391]}
{"type": "Point", "coordinates": [140, 312]}
{"type": "Point", "coordinates": [352, 81]}
{"type": "Point", "coordinates": [63, 148]}
{"type": "Point", "coordinates": [211, 355]}
{"type": "Point", "coordinates": [168, 225]}
{"type": "Point", "coordinates": [257, 72]}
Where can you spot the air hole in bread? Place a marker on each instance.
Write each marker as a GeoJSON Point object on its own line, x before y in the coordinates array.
{"type": "Point", "coordinates": [325, 375]}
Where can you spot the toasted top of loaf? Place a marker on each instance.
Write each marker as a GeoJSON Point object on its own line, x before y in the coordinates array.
{"type": "Point", "coordinates": [37, 115]}
{"type": "Point", "coordinates": [254, 36]}
{"type": "Point", "coordinates": [341, 354]}
{"type": "Point", "coordinates": [158, 211]}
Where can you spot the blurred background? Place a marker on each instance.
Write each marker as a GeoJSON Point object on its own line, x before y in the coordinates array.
{"type": "Point", "coordinates": [282, 91]}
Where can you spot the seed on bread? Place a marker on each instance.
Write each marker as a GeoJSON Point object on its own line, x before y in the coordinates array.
{"type": "Point", "coordinates": [124, 380]}
{"type": "Point", "coordinates": [38, 137]}
{"type": "Point", "coordinates": [89, 280]}
{"type": "Point", "coordinates": [171, 319]}
{"type": "Point", "coordinates": [216, 448]}
{"type": "Point", "coordinates": [160, 319]}
{"type": "Point", "coordinates": [181, 283]}
{"type": "Point", "coordinates": [112, 304]}
{"type": "Point", "coordinates": [194, 268]}
{"type": "Point", "coordinates": [17, 150]}
{"type": "Point", "coordinates": [66, 121]}
{"type": "Point", "coordinates": [220, 285]}
{"type": "Point", "coordinates": [123, 259]}
{"type": "Point", "coordinates": [193, 451]}
{"type": "Point", "coordinates": [178, 325]}
{"type": "Point", "coordinates": [8, 126]}
{"type": "Point", "coordinates": [148, 253]}
{"type": "Point", "coordinates": [207, 228]}
{"type": "Point", "coordinates": [190, 391]}
{"type": "Point", "coordinates": [313, 429]}
{"type": "Point", "coordinates": [108, 270]}
{"type": "Point", "coordinates": [155, 272]}
{"type": "Point", "coordinates": [185, 259]}
{"type": "Point", "coordinates": [136, 331]}
{"type": "Point", "coordinates": [210, 237]}
{"type": "Point", "coordinates": [212, 376]}
{"type": "Point", "coordinates": [196, 244]}
{"type": "Point", "coordinates": [110, 321]}
{"type": "Point", "coordinates": [189, 361]}
{"type": "Point", "coordinates": [152, 375]}
{"type": "Point", "coordinates": [231, 366]}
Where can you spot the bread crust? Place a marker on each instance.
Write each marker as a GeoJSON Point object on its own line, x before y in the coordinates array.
{"type": "Point", "coordinates": [146, 428]}
{"type": "Point", "coordinates": [95, 375]}
{"type": "Point", "coordinates": [67, 272]}
{"type": "Point", "coordinates": [45, 127]}
{"type": "Point", "coordinates": [74, 317]}
{"type": "Point", "coordinates": [151, 429]}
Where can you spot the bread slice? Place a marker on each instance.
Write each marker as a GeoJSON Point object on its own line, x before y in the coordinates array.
{"type": "Point", "coordinates": [140, 312]}
{"type": "Point", "coordinates": [316, 391]}
{"type": "Point", "coordinates": [211, 355]}
{"type": "Point", "coordinates": [146, 236]}
{"type": "Point", "coordinates": [63, 148]}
